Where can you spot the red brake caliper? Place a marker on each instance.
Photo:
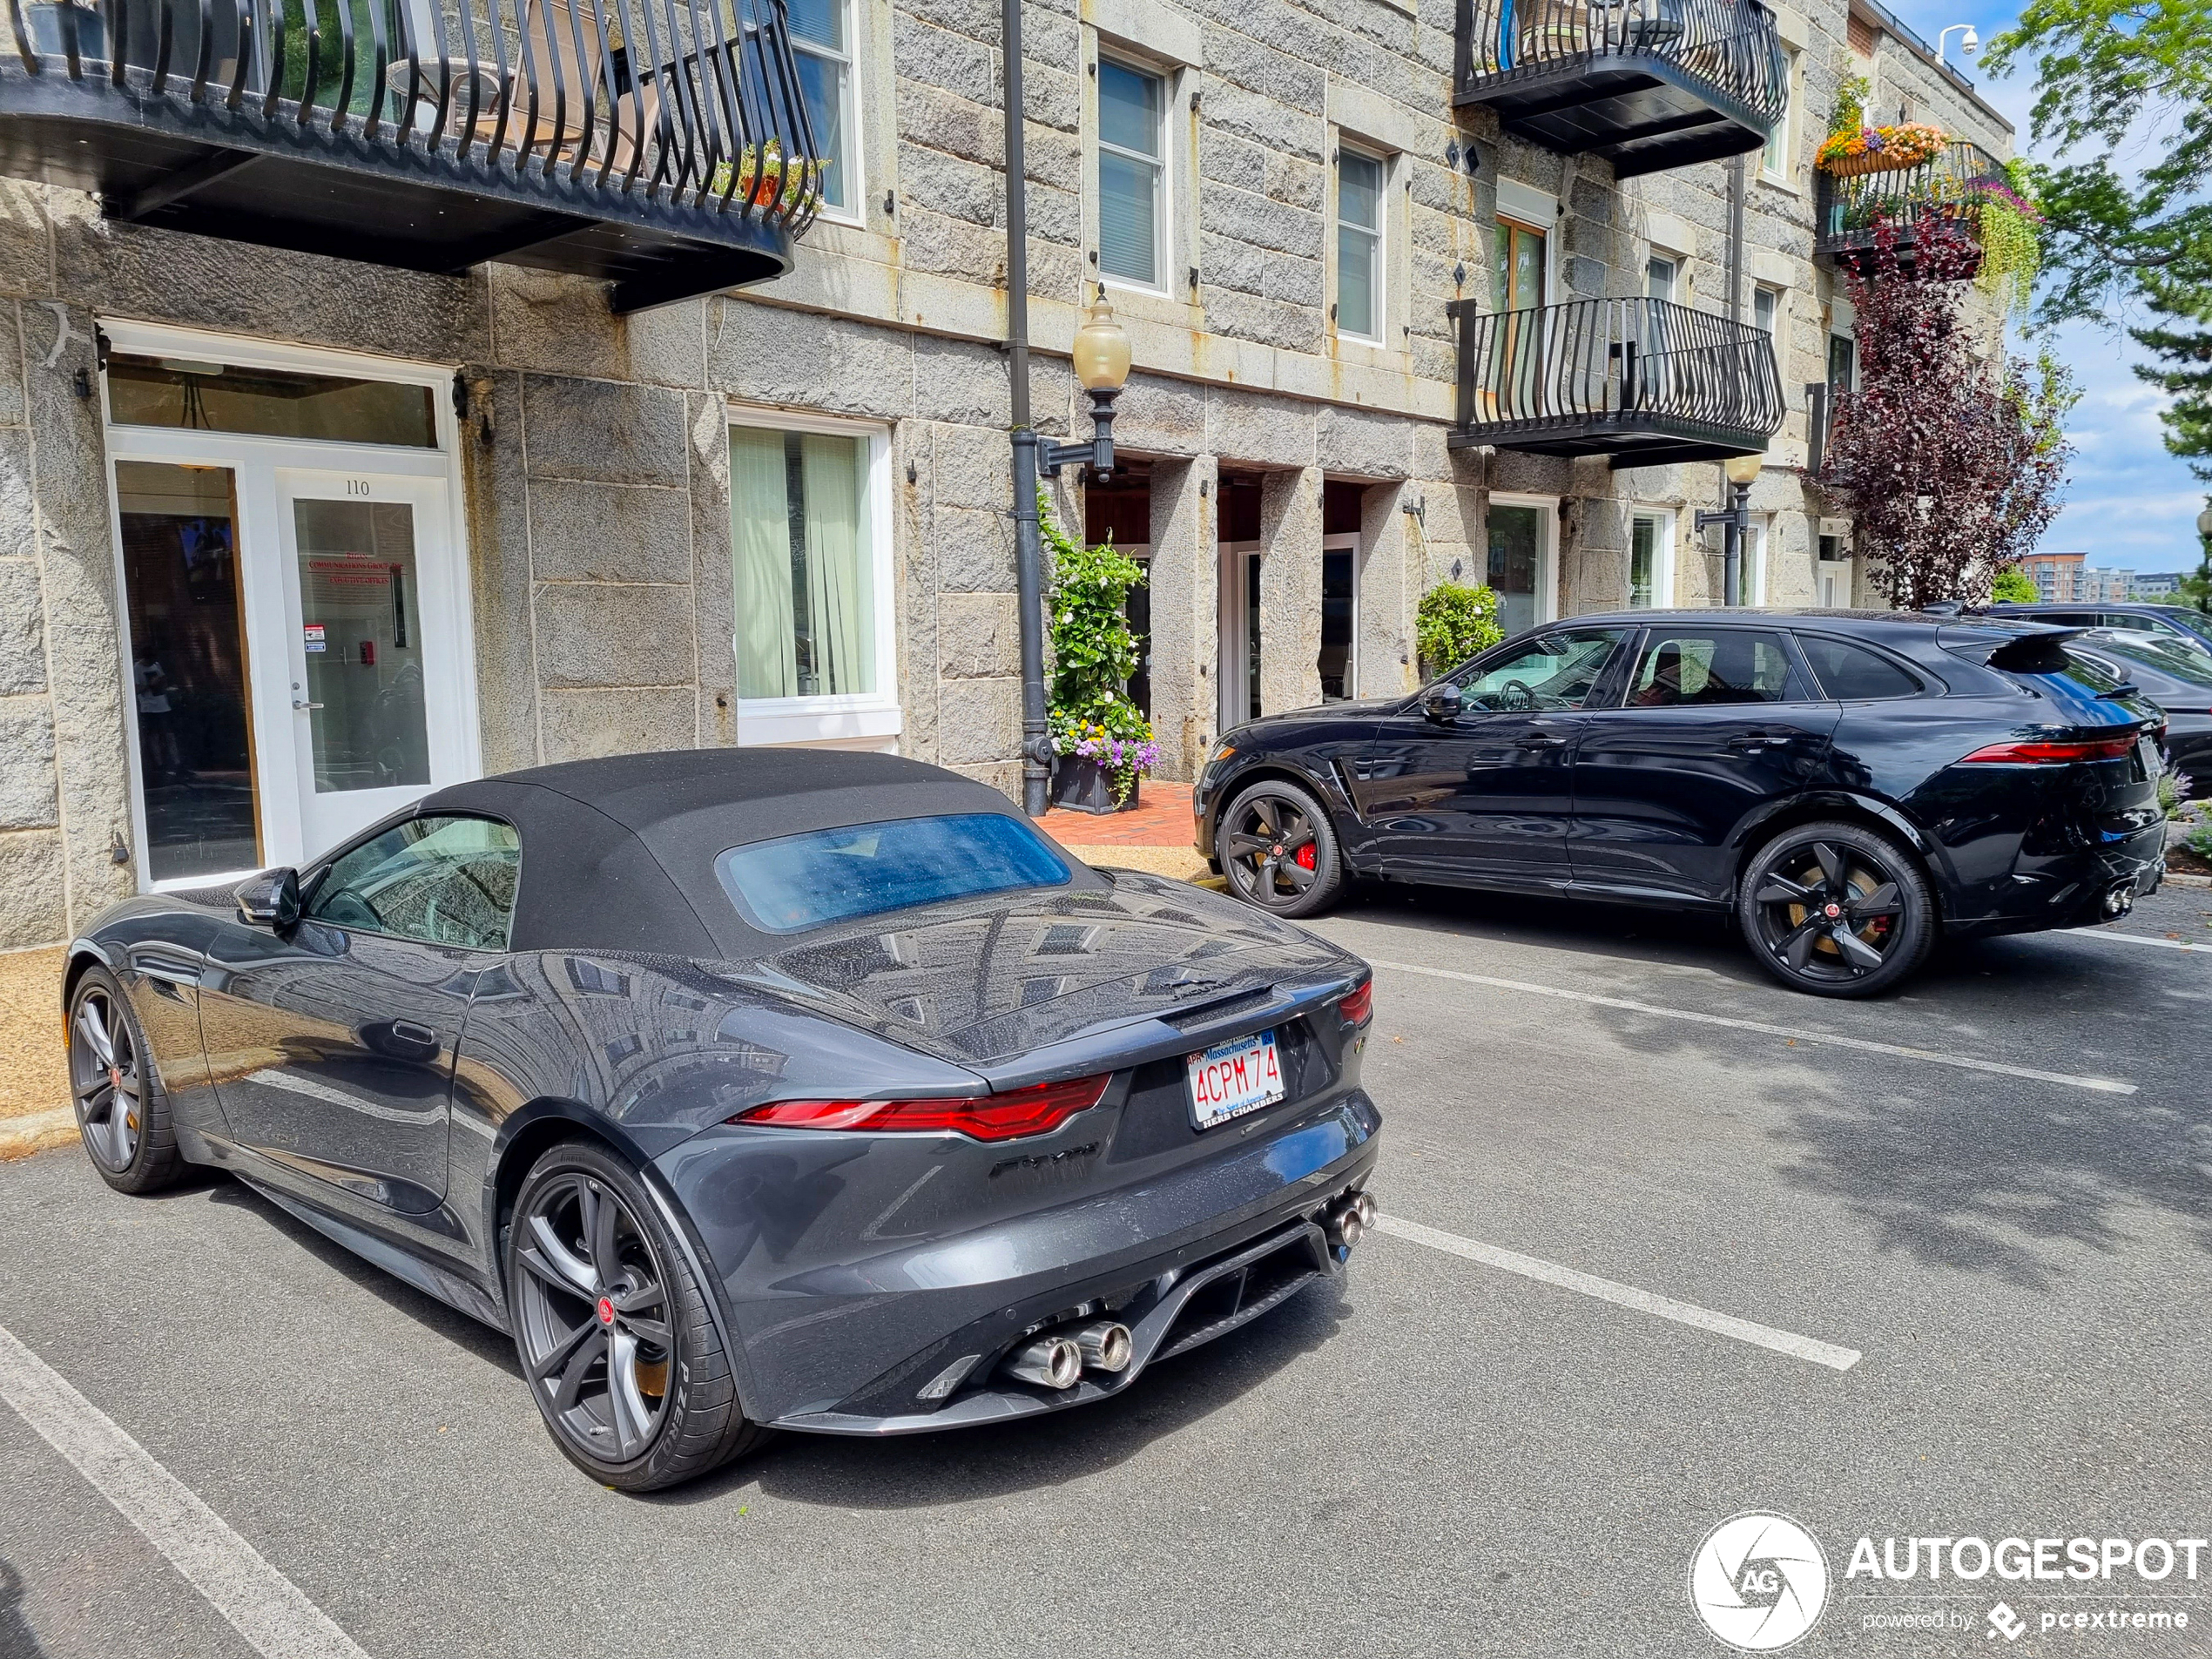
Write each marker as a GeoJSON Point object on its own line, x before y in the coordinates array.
{"type": "Point", "coordinates": [1305, 856]}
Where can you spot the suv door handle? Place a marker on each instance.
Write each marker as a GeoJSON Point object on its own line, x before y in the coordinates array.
{"type": "Point", "coordinates": [1538, 741]}
{"type": "Point", "coordinates": [1756, 740]}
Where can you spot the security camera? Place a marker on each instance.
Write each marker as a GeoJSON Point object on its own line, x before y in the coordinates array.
{"type": "Point", "coordinates": [1971, 44]}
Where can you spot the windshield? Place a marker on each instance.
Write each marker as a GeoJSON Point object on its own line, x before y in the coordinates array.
{"type": "Point", "coordinates": [797, 883]}
{"type": "Point", "coordinates": [2196, 620]}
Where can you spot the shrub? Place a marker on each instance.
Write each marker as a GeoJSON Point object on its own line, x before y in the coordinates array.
{"type": "Point", "coordinates": [1453, 623]}
{"type": "Point", "coordinates": [1094, 654]}
{"type": "Point", "coordinates": [2014, 586]}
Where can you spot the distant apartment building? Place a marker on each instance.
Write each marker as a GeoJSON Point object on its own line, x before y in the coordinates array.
{"type": "Point", "coordinates": [2057, 576]}
{"type": "Point", "coordinates": [2163, 585]}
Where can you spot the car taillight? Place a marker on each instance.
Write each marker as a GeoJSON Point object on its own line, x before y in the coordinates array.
{"type": "Point", "coordinates": [2052, 754]}
{"type": "Point", "coordinates": [1359, 1004]}
{"type": "Point", "coordinates": [1037, 1110]}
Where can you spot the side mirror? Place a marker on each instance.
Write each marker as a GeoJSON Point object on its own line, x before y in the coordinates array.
{"type": "Point", "coordinates": [271, 900]}
{"type": "Point", "coordinates": [1443, 703]}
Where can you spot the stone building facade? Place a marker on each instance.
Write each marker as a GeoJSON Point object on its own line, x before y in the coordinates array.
{"type": "Point", "coordinates": [560, 549]}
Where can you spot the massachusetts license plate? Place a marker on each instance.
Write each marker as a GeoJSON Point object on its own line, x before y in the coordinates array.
{"type": "Point", "coordinates": [1232, 1078]}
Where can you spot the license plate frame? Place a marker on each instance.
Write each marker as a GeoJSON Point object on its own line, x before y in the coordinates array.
{"type": "Point", "coordinates": [1220, 1094]}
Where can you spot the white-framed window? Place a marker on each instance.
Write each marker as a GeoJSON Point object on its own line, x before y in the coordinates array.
{"type": "Point", "coordinates": [1359, 244]}
{"type": "Point", "coordinates": [1757, 542]}
{"type": "Point", "coordinates": [1651, 559]}
{"type": "Point", "coordinates": [1774, 161]}
{"type": "Point", "coordinates": [812, 581]}
{"type": "Point", "coordinates": [1132, 175]}
{"type": "Point", "coordinates": [821, 41]}
{"type": "Point", "coordinates": [1766, 304]}
{"type": "Point", "coordinates": [1522, 563]}
{"type": "Point", "coordinates": [1659, 274]}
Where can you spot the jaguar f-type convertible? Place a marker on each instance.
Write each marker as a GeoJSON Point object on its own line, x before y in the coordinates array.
{"type": "Point", "coordinates": [752, 1090]}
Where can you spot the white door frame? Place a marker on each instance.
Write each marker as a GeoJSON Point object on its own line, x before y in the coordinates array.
{"type": "Point", "coordinates": [1233, 606]}
{"type": "Point", "coordinates": [253, 462]}
{"type": "Point", "coordinates": [1662, 563]}
{"type": "Point", "coordinates": [1547, 549]}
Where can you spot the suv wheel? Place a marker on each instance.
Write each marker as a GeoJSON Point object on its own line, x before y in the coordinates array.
{"type": "Point", "coordinates": [1278, 850]}
{"type": "Point", "coordinates": [1836, 909]}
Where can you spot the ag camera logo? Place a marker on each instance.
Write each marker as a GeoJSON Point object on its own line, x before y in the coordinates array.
{"type": "Point", "coordinates": [1759, 1581]}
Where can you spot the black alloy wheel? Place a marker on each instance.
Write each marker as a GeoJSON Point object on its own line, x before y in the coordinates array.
{"type": "Point", "coordinates": [1836, 910]}
{"type": "Point", "coordinates": [1278, 850]}
{"type": "Point", "coordinates": [121, 1110]}
{"type": "Point", "coordinates": [613, 1328]}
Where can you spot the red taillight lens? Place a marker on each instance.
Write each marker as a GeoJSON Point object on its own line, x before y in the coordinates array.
{"type": "Point", "coordinates": [1037, 1110]}
{"type": "Point", "coordinates": [2051, 754]}
{"type": "Point", "coordinates": [1358, 1006]}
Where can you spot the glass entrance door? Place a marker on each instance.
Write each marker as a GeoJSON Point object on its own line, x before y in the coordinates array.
{"type": "Point", "coordinates": [1517, 565]}
{"type": "Point", "coordinates": [368, 653]}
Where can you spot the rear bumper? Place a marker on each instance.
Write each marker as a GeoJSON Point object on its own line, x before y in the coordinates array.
{"type": "Point", "coordinates": [841, 1326]}
{"type": "Point", "coordinates": [2071, 892]}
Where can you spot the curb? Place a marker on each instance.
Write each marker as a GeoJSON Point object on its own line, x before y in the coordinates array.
{"type": "Point", "coordinates": [20, 1136]}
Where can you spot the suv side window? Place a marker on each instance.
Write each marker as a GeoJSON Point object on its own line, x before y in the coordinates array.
{"type": "Point", "coordinates": [1850, 673]}
{"type": "Point", "coordinates": [438, 880]}
{"type": "Point", "coordinates": [1685, 667]}
{"type": "Point", "coordinates": [1558, 671]}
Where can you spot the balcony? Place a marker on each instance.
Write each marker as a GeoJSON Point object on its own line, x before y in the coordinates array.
{"type": "Point", "coordinates": [1649, 84]}
{"type": "Point", "coordinates": [1648, 382]}
{"type": "Point", "coordinates": [1949, 188]}
{"type": "Point", "coordinates": [661, 145]}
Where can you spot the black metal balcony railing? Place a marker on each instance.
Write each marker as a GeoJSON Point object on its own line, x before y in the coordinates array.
{"type": "Point", "coordinates": [1946, 188]}
{"type": "Point", "coordinates": [1647, 381]}
{"type": "Point", "coordinates": [662, 144]}
{"type": "Point", "coordinates": [1648, 83]}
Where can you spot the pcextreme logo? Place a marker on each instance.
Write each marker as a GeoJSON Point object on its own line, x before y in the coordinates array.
{"type": "Point", "coordinates": [1759, 1581]}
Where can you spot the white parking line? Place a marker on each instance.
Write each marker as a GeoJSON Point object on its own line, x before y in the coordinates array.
{"type": "Point", "coordinates": [1627, 1295]}
{"type": "Point", "coordinates": [2137, 939]}
{"type": "Point", "coordinates": [265, 1608]}
{"type": "Point", "coordinates": [2104, 1085]}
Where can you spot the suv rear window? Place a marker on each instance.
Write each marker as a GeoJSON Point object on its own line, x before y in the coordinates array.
{"type": "Point", "coordinates": [796, 882]}
{"type": "Point", "coordinates": [1850, 673]}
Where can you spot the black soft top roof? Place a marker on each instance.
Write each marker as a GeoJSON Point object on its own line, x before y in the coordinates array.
{"type": "Point", "coordinates": [618, 853]}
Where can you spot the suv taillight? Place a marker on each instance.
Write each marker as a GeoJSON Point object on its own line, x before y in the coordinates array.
{"type": "Point", "coordinates": [2051, 754]}
{"type": "Point", "coordinates": [1037, 1110]}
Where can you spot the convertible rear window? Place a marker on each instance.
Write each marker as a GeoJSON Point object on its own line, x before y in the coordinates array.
{"type": "Point", "coordinates": [796, 882]}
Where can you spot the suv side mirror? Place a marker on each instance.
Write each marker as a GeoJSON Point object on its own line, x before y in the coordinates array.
{"type": "Point", "coordinates": [1443, 703]}
{"type": "Point", "coordinates": [271, 900]}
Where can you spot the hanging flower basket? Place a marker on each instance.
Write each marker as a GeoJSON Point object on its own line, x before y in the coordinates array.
{"type": "Point", "coordinates": [1891, 149]}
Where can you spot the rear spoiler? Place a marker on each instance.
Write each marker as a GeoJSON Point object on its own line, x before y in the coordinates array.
{"type": "Point", "coordinates": [2036, 650]}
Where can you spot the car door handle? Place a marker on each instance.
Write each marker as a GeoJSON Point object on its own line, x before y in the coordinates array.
{"type": "Point", "coordinates": [1756, 740]}
{"type": "Point", "coordinates": [408, 1031]}
{"type": "Point", "coordinates": [1539, 740]}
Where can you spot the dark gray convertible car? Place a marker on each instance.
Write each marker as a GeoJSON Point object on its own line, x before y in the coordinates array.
{"type": "Point", "coordinates": [752, 1090]}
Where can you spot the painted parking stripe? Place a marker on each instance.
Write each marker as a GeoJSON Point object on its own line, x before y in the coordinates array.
{"type": "Point", "coordinates": [265, 1608]}
{"type": "Point", "coordinates": [2137, 939]}
{"type": "Point", "coordinates": [2103, 1085]}
{"type": "Point", "coordinates": [1627, 1295]}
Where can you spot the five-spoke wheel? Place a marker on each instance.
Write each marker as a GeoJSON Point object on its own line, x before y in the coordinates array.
{"type": "Point", "coordinates": [611, 1327]}
{"type": "Point", "coordinates": [120, 1106]}
{"type": "Point", "coordinates": [1836, 909]}
{"type": "Point", "coordinates": [1278, 850]}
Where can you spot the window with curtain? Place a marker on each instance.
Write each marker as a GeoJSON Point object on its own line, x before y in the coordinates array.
{"type": "Point", "coordinates": [821, 41]}
{"type": "Point", "coordinates": [1132, 107]}
{"type": "Point", "coordinates": [804, 570]}
{"type": "Point", "coordinates": [1359, 200]}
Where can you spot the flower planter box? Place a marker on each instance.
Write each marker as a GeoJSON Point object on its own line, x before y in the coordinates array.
{"type": "Point", "coordinates": [1852, 166]}
{"type": "Point", "coordinates": [1082, 785]}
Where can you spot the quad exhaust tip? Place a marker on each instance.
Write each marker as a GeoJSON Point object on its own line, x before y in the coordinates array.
{"type": "Point", "coordinates": [1351, 1220]}
{"type": "Point", "coordinates": [1048, 1361]}
{"type": "Point", "coordinates": [1106, 1345]}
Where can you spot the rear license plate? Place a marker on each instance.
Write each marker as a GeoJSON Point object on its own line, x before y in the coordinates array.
{"type": "Point", "coordinates": [2152, 764]}
{"type": "Point", "coordinates": [1232, 1078]}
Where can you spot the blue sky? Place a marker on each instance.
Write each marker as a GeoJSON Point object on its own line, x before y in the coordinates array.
{"type": "Point", "coordinates": [2130, 504]}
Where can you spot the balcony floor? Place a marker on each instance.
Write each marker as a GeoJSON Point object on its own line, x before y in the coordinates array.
{"type": "Point", "coordinates": [1628, 440]}
{"type": "Point", "coordinates": [275, 183]}
{"type": "Point", "coordinates": [1854, 250]}
{"type": "Point", "coordinates": [1644, 114]}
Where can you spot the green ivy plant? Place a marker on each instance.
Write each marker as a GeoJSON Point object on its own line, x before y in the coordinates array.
{"type": "Point", "coordinates": [1452, 621]}
{"type": "Point", "coordinates": [2010, 226]}
{"type": "Point", "coordinates": [1094, 654]}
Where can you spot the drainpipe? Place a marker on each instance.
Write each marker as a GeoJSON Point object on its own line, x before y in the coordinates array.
{"type": "Point", "coordinates": [1028, 555]}
{"type": "Point", "coordinates": [1732, 557]}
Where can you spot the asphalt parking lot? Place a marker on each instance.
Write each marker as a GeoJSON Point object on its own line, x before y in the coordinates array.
{"type": "Point", "coordinates": [1670, 1244]}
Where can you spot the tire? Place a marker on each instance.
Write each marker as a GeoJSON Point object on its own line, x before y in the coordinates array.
{"type": "Point", "coordinates": [1836, 909]}
{"type": "Point", "coordinates": [580, 1203]}
{"type": "Point", "coordinates": [115, 1083]}
{"type": "Point", "coordinates": [1264, 841]}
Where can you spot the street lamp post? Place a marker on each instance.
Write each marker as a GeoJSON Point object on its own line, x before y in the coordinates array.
{"type": "Point", "coordinates": [2204, 559]}
{"type": "Point", "coordinates": [1734, 518]}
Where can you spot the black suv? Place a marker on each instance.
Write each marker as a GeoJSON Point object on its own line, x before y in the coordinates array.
{"type": "Point", "coordinates": [2176, 622]}
{"type": "Point", "coordinates": [1848, 783]}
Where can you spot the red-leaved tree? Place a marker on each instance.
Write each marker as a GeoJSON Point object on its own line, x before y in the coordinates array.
{"type": "Point", "coordinates": [1951, 458]}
